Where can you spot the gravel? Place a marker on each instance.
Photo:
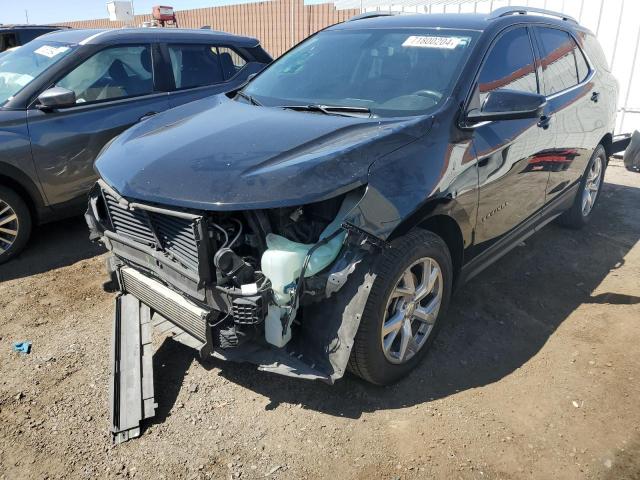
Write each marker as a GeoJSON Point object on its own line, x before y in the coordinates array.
{"type": "Point", "coordinates": [533, 376]}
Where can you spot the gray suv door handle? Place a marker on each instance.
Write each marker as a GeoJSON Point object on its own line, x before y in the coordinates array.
{"type": "Point", "coordinates": [147, 115]}
{"type": "Point", "coordinates": [544, 122]}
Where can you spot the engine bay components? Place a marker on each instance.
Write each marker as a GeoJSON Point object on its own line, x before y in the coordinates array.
{"type": "Point", "coordinates": [246, 286]}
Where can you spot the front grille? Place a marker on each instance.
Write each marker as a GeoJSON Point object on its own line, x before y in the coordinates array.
{"type": "Point", "coordinates": [166, 302]}
{"type": "Point", "coordinates": [176, 235]}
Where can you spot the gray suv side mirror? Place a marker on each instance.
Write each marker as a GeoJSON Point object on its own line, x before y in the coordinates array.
{"type": "Point", "coordinates": [508, 105]}
{"type": "Point", "coordinates": [56, 97]}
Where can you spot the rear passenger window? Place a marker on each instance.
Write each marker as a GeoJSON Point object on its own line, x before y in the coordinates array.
{"type": "Point", "coordinates": [563, 64]}
{"type": "Point", "coordinates": [231, 62]}
{"type": "Point", "coordinates": [509, 65]}
{"type": "Point", "coordinates": [195, 65]}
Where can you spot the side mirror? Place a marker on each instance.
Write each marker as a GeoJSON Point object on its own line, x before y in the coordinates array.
{"type": "Point", "coordinates": [508, 105]}
{"type": "Point", "coordinates": [56, 97]}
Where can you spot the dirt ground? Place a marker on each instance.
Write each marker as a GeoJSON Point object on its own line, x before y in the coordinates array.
{"type": "Point", "coordinates": [535, 375]}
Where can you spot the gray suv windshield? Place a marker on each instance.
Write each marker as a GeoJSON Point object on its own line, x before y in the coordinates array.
{"type": "Point", "coordinates": [19, 67]}
{"type": "Point", "coordinates": [399, 72]}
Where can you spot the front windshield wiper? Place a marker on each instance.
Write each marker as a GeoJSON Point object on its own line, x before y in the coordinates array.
{"type": "Point", "coordinates": [346, 111]}
{"type": "Point", "coordinates": [248, 97]}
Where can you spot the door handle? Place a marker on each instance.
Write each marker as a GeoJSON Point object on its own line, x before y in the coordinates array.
{"type": "Point", "coordinates": [544, 122]}
{"type": "Point", "coordinates": [595, 96]}
{"type": "Point", "coordinates": [147, 115]}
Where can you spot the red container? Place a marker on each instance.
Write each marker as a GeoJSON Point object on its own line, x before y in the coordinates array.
{"type": "Point", "coordinates": [163, 13]}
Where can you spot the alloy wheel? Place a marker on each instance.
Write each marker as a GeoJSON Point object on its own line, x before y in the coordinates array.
{"type": "Point", "coordinates": [8, 226]}
{"type": "Point", "coordinates": [592, 186]}
{"type": "Point", "coordinates": [412, 309]}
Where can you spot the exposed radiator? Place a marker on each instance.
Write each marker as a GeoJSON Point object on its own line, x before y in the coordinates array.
{"type": "Point", "coordinates": [175, 234]}
{"type": "Point", "coordinates": [172, 306]}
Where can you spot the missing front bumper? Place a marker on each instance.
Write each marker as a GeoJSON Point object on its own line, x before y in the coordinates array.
{"type": "Point", "coordinates": [172, 306]}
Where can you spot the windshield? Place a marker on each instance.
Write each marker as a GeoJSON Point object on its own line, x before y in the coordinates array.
{"type": "Point", "coordinates": [399, 72]}
{"type": "Point", "coordinates": [19, 67]}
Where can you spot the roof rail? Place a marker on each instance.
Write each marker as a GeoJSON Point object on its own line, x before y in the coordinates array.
{"type": "Point", "coordinates": [506, 11]}
{"type": "Point", "coordinates": [365, 15]}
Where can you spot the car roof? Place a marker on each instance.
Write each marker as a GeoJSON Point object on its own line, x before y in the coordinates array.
{"type": "Point", "coordinates": [462, 21]}
{"type": "Point", "coordinates": [119, 35]}
{"type": "Point", "coordinates": [17, 26]}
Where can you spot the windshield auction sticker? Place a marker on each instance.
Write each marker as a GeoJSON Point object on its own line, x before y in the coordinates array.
{"type": "Point", "coordinates": [50, 51]}
{"type": "Point", "coordinates": [447, 43]}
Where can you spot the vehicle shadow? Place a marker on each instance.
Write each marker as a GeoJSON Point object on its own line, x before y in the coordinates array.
{"type": "Point", "coordinates": [170, 364]}
{"type": "Point", "coordinates": [496, 322]}
{"type": "Point", "coordinates": [53, 245]}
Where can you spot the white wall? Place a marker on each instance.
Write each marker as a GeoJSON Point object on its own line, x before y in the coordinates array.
{"type": "Point", "coordinates": [616, 23]}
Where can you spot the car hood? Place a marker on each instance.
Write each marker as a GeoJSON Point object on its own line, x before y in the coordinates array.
{"type": "Point", "coordinates": [221, 154]}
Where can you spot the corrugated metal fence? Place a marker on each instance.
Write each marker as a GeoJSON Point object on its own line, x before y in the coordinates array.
{"type": "Point", "coordinates": [279, 24]}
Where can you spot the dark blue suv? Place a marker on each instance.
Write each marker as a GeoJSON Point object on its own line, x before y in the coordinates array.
{"type": "Point", "coordinates": [354, 182]}
{"type": "Point", "coordinates": [64, 95]}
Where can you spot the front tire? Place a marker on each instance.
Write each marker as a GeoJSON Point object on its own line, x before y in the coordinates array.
{"type": "Point", "coordinates": [15, 224]}
{"type": "Point", "coordinates": [407, 302]}
{"type": "Point", "coordinates": [589, 191]}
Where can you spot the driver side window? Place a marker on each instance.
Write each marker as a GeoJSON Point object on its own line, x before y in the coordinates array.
{"type": "Point", "coordinates": [509, 65]}
{"type": "Point", "coordinates": [116, 72]}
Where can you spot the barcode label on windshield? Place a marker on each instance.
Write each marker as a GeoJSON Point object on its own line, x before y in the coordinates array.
{"type": "Point", "coordinates": [50, 51]}
{"type": "Point", "coordinates": [448, 43]}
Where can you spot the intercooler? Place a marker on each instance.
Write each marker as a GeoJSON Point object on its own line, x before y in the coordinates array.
{"type": "Point", "coordinates": [171, 305]}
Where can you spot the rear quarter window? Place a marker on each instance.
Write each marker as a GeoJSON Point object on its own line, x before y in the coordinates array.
{"type": "Point", "coordinates": [583, 67]}
{"type": "Point", "coordinates": [594, 50]}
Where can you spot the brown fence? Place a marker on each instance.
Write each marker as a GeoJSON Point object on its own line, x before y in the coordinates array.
{"type": "Point", "coordinates": [279, 24]}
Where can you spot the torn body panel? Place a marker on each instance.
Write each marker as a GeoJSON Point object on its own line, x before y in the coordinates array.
{"type": "Point", "coordinates": [226, 307]}
{"type": "Point", "coordinates": [437, 174]}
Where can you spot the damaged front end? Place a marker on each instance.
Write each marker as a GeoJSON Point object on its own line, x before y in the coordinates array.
{"type": "Point", "coordinates": [262, 286]}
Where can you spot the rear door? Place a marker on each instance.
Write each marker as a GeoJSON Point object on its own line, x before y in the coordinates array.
{"type": "Point", "coordinates": [114, 89]}
{"type": "Point", "coordinates": [511, 184]}
{"type": "Point", "coordinates": [573, 101]}
{"type": "Point", "coordinates": [201, 70]}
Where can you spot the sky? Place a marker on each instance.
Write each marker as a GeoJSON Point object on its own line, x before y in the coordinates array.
{"type": "Point", "coordinates": [51, 11]}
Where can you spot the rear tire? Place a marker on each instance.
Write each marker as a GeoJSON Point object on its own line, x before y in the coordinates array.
{"type": "Point", "coordinates": [15, 224]}
{"type": "Point", "coordinates": [588, 193]}
{"type": "Point", "coordinates": [418, 262]}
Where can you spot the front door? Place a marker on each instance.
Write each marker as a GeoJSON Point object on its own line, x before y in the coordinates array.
{"type": "Point", "coordinates": [114, 89]}
{"type": "Point", "coordinates": [511, 184]}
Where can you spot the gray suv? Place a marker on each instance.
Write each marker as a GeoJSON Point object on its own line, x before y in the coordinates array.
{"type": "Point", "coordinates": [66, 94]}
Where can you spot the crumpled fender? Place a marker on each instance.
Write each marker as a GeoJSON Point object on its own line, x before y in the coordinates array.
{"type": "Point", "coordinates": [424, 177]}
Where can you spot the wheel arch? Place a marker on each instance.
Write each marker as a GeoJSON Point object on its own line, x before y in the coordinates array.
{"type": "Point", "coordinates": [448, 229]}
{"type": "Point", "coordinates": [607, 143]}
{"type": "Point", "coordinates": [17, 181]}
{"type": "Point", "coordinates": [449, 220]}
